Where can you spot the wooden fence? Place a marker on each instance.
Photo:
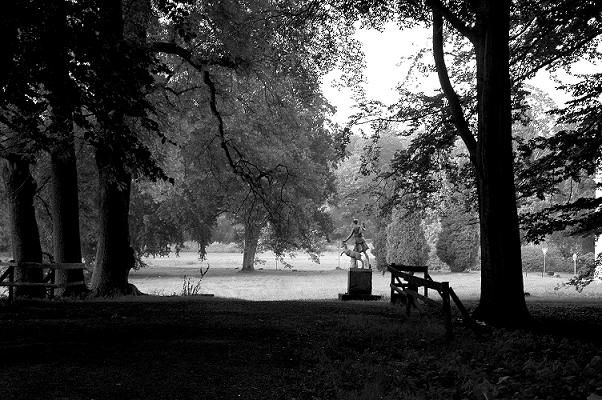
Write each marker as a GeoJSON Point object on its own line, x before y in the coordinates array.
{"type": "Point", "coordinates": [48, 282]}
{"type": "Point", "coordinates": [405, 287]}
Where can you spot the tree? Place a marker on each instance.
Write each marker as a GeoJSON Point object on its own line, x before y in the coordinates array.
{"type": "Point", "coordinates": [406, 242]}
{"type": "Point", "coordinates": [261, 125]}
{"type": "Point", "coordinates": [458, 241]}
{"type": "Point", "coordinates": [285, 137]}
{"type": "Point", "coordinates": [63, 164]}
{"type": "Point", "coordinates": [570, 158]}
{"type": "Point", "coordinates": [25, 237]}
{"type": "Point", "coordinates": [502, 297]}
{"type": "Point", "coordinates": [21, 108]}
{"type": "Point", "coordinates": [543, 35]}
{"type": "Point", "coordinates": [121, 76]}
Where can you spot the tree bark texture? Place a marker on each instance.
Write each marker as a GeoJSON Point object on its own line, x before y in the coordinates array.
{"type": "Point", "coordinates": [25, 237]}
{"type": "Point", "coordinates": [65, 215]}
{"type": "Point", "coordinates": [502, 294]}
{"type": "Point", "coordinates": [65, 199]}
{"type": "Point", "coordinates": [114, 256]}
{"type": "Point", "coordinates": [252, 232]}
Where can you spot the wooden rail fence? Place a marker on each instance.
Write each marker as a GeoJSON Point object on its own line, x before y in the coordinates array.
{"type": "Point", "coordinates": [48, 282]}
{"type": "Point", "coordinates": [405, 287]}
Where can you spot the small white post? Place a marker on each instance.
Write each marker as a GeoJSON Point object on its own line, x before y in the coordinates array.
{"type": "Point", "coordinates": [544, 250]}
{"type": "Point", "coordinates": [575, 264]}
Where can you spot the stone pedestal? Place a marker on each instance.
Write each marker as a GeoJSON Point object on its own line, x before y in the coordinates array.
{"type": "Point", "coordinates": [359, 285]}
{"type": "Point", "coordinates": [359, 281]}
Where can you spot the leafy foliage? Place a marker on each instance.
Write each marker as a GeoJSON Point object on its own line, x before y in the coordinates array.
{"type": "Point", "coordinates": [241, 102]}
{"type": "Point", "coordinates": [572, 156]}
{"type": "Point", "coordinates": [379, 246]}
{"type": "Point", "coordinates": [546, 34]}
{"type": "Point", "coordinates": [458, 242]}
{"type": "Point", "coordinates": [406, 242]}
{"type": "Point", "coordinates": [587, 265]}
{"type": "Point", "coordinates": [532, 259]}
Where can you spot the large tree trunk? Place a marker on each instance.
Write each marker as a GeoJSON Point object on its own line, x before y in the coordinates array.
{"type": "Point", "coordinates": [125, 20]}
{"type": "Point", "coordinates": [65, 215]}
{"type": "Point", "coordinates": [502, 295]}
{"type": "Point", "coordinates": [25, 237]}
{"type": "Point", "coordinates": [114, 256]}
{"type": "Point", "coordinates": [252, 232]}
{"type": "Point", "coordinates": [65, 199]}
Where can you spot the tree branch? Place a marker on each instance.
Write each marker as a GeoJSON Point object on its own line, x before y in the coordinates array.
{"type": "Point", "coordinates": [197, 62]}
{"type": "Point", "coordinates": [557, 56]}
{"type": "Point", "coordinates": [457, 23]}
{"type": "Point", "coordinates": [455, 106]}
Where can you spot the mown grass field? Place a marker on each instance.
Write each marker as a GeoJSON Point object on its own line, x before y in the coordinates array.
{"type": "Point", "coordinates": [311, 281]}
{"type": "Point", "coordinates": [304, 346]}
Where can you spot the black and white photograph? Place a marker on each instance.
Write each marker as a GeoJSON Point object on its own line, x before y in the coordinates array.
{"type": "Point", "coordinates": [301, 200]}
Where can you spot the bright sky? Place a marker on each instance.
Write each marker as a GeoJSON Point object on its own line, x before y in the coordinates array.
{"type": "Point", "coordinates": [385, 69]}
{"type": "Point", "coordinates": [384, 66]}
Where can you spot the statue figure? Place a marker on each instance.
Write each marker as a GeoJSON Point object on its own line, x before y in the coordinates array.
{"type": "Point", "coordinates": [360, 243]}
{"type": "Point", "coordinates": [355, 256]}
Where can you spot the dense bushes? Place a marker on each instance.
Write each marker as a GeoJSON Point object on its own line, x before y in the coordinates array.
{"type": "Point", "coordinates": [532, 258]}
{"type": "Point", "coordinates": [379, 247]}
{"type": "Point", "coordinates": [458, 243]}
{"type": "Point", "coordinates": [406, 241]}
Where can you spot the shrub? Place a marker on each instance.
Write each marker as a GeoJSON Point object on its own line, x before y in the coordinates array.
{"type": "Point", "coordinates": [586, 272]}
{"type": "Point", "coordinates": [432, 227]}
{"type": "Point", "coordinates": [379, 248]}
{"type": "Point", "coordinates": [191, 288]}
{"type": "Point", "coordinates": [532, 258]}
{"type": "Point", "coordinates": [458, 244]}
{"type": "Point", "coordinates": [586, 264]}
{"type": "Point", "coordinates": [406, 241]}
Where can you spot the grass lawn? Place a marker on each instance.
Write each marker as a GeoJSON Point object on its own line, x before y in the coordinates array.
{"type": "Point", "coordinates": [208, 348]}
{"type": "Point", "coordinates": [310, 281]}
{"type": "Point", "coordinates": [226, 347]}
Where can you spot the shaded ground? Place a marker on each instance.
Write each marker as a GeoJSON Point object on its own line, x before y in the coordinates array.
{"type": "Point", "coordinates": [200, 348]}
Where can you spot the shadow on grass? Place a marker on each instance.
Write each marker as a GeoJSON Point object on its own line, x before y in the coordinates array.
{"type": "Point", "coordinates": [229, 349]}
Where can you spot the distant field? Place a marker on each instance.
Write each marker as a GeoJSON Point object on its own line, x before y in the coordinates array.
{"type": "Point", "coordinates": [308, 280]}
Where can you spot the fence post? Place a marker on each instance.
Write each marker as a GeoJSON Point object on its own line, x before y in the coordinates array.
{"type": "Point", "coordinates": [446, 309]}
{"type": "Point", "coordinates": [392, 282]}
{"type": "Point", "coordinates": [11, 289]}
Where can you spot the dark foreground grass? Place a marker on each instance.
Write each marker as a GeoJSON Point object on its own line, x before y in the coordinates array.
{"type": "Point", "coordinates": [224, 349]}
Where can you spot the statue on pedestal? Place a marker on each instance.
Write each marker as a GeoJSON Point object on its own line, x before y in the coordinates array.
{"type": "Point", "coordinates": [360, 244]}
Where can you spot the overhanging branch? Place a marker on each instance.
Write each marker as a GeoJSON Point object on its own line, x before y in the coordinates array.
{"type": "Point", "coordinates": [194, 60]}
{"type": "Point", "coordinates": [457, 23]}
{"type": "Point", "coordinates": [458, 118]}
